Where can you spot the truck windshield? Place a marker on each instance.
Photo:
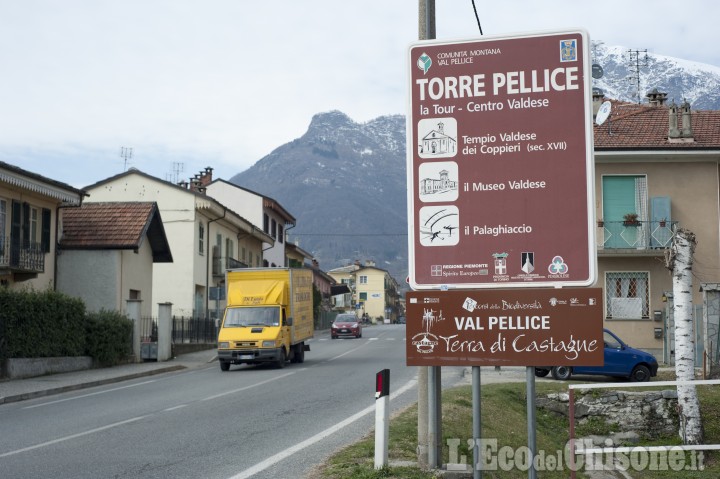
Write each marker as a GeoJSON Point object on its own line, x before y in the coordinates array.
{"type": "Point", "coordinates": [252, 316]}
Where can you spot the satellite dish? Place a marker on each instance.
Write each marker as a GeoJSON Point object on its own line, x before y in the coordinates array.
{"type": "Point", "coordinates": [603, 113]}
{"type": "Point", "coordinates": [597, 71]}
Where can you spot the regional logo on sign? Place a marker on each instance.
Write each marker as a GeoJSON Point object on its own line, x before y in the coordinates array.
{"type": "Point", "coordinates": [568, 50]}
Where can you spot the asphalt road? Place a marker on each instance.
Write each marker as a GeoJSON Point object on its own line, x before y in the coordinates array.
{"type": "Point", "coordinates": [254, 422]}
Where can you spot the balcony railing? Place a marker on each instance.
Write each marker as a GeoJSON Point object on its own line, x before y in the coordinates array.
{"type": "Point", "coordinates": [222, 264]}
{"type": "Point", "coordinates": [28, 258]}
{"type": "Point", "coordinates": [638, 235]}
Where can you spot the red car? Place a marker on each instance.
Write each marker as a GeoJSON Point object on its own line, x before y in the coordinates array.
{"type": "Point", "coordinates": [346, 324]}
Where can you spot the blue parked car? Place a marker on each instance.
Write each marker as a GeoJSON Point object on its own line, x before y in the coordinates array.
{"type": "Point", "coordinates": [620, 361]}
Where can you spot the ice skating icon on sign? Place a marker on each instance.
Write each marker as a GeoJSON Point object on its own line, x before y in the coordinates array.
{"type": "Point", "coordinates": [437, 138]}
{"type": "Point", "coordinates": [438, 182]}
{"type": "Point", "coordinates": [439, 226]}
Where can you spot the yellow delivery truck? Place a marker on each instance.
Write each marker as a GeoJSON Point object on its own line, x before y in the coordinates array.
{"type": "Point", "coordinates": [269, 316]}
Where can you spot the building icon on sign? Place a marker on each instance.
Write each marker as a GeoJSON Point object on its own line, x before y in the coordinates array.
{"type": "Point", "coordinates": [438, 138]}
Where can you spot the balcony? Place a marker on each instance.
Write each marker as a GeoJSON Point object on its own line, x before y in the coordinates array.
{"type": "Point", "coordinates": [640, 238]}
{"type": "Point", "coordinates": [220, 264]}
{"type": "Point", "coordinates": [21, 258]}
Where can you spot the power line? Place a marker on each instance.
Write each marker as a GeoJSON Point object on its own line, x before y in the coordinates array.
{"type": "Point", "coordinates": [349, 234]}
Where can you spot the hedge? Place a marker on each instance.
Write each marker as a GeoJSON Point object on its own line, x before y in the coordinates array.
{"type": "Point", "coordinates": [45, 324]}
{"type": "Point", "coordinates": [41, 324]}
{"type": "Point", "coordinates": [109, 337]}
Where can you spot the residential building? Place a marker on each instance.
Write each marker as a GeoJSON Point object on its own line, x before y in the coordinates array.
{"type": "Point", "coordinates": [374, 291]}
{"type": "Point", "coordinates": [343, 298]}
{"type": "Point", "coordinates": [260, 210]}
{"type": "Point", "coordinates": [205, 236]}
{"type": "Point", "coordinates": [107, 251]}
{"type": "Point", "coordinates": [29, 206]}
{"type": "Point", "coordinates": [656, 170]}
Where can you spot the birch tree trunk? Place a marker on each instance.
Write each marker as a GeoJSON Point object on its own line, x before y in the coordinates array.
{"type": "Point", "coordinates": [680, 262]}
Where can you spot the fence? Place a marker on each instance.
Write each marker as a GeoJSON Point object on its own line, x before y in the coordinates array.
{"type": "Point", "coordinates": [194, 330]}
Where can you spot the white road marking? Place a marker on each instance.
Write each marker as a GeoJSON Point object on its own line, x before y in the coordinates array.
{"type": "Point", "coordinates": [89, 394]}
{"type": "Point", "coordinates": [275, 378]}
{"type": "Point", "coordinates": [72, 436]}
{"type": "Point", "coordinates": [261, 466]}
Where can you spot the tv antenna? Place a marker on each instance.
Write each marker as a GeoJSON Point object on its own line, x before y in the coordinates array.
{"type": "Point", "coordinates": [126, 154]}
{"type": "Point", "coordinates": [636, 63]}
{"type": "Point", "coordinates": [177, 168]}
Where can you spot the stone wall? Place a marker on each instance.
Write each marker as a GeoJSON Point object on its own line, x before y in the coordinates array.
{"type": "Point", "coordinates": [20, 368]}
{"type": "Point", "coordinates": [649, 414]}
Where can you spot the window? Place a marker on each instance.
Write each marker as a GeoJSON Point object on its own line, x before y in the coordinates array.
{"type": "Point", "coordinates": [201, 238]}
{"type": "Point", "coordinates": [243, 256]}
{"type": "Point", "coordinates": [363, 279]}
{"type": "Point", "coordinates": [273, 228]}
{"type": "Point", "coordinates": [229, 248]}
{"type": "Point", "coordinates": [33, 225]}
{"type": "Point", "coordinates": [627, 295]}
{"type": "Point", "coordinates": [281, 233]}
{"type": "Point", "coordinates": [363, 296]}
{"type": "Point", "coordinates": [622, 195]}
{"type": "Point", "coordinates": [135, 294]}
{"type": "Point", "coordinates": [266, 223]}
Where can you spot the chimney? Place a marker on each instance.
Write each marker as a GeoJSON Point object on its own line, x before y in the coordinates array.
{"type": "Point", "coordinates": [673, 132]}
{"type": "Point", "coordinates": [656, 98]}
{"type": "Point", "coordinates": [680, 132]}
{"type": "Point", "coordinates": [200, 180]}
{"type": "Point", "coordinates": [687, 132]}
{"type": "Point", "coordinates": [597, 99]}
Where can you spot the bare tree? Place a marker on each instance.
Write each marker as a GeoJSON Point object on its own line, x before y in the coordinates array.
{"type": "Point", "coordinates": [679, 260]}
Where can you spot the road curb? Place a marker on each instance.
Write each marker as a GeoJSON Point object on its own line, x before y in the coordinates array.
{"type": "Point", "coordinates": [88, 384]}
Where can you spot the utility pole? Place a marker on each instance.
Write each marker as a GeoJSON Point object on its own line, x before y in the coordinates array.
{"type": "Point", "coordinates": [426, 31]}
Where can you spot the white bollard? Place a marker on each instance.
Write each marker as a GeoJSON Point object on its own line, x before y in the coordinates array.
{"type": "Point", "coordinates": [382, 417]}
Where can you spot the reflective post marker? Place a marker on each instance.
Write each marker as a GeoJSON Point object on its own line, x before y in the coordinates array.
{"type": "Point", "coordinates": [382, 417]}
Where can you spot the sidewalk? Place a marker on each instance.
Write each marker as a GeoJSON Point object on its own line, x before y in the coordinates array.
{"type": "Point", "coordinates": [23, 389]}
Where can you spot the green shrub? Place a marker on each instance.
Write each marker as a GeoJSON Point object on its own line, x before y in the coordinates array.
{"type": "Point", "coordinates": [108, 337]}
{"type": "Point", "coordinates": [40, 324]}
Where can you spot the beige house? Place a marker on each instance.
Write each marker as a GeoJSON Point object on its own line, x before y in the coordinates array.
{"type": "Point", "coordinates": [28, 226]}
{"type": "Point", "coordinates": [107, 252]}
{"type": "Point", "coordinates": [262, 211]}
{"type": "Point", "coordinates": [205, 237]}
{"type": "Point", "coordinates": [374, 291]}
{"type": "Point", "coordinates": [656, 170]}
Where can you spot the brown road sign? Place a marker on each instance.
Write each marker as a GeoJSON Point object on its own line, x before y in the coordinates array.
{"type": "Point", "coordinates": [522, 327]}
{"type": "Point", "coordinates": [500, 166]}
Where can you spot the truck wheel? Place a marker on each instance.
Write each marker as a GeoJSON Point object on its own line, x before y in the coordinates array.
{"type": "Point", "coordinates": [541, 373]}
{"type": "Point", "coordinates": [280, 363]}
{"type": "Point", "coordinates": [224, 366]}
{"type": "Point", "coordinates": [300, 353]}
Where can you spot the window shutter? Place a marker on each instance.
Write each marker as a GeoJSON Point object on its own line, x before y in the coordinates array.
{"type": "Point", "coordinates": [45, 237]}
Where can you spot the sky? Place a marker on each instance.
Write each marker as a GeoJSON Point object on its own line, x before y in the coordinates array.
{"type": "Point", "coordinates": [188, 84]}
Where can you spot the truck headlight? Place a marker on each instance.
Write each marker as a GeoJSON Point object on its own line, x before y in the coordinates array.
{"type": "Point", "coordinates": [268, 344]}
{"type": "Point", "coordinates": [223, 345]}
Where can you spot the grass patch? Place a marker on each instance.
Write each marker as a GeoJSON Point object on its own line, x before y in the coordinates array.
{"type": "Point", "coordinates": [504, 421]}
